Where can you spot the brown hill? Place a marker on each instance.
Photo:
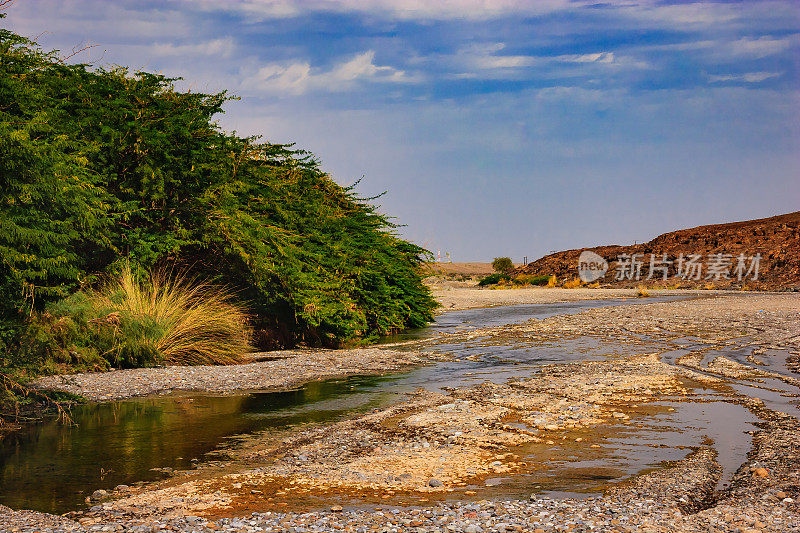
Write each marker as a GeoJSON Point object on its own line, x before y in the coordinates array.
{"type": "Point", "coordinates": [776, 239]}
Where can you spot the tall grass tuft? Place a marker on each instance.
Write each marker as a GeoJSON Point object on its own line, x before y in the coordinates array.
{"type": "Point", "coordinates": [169, 319]}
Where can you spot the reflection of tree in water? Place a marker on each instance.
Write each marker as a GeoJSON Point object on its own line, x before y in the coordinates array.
{"type": "Point", "coordinates": [52, 467]}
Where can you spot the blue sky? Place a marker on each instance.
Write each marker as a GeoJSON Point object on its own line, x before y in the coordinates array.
{"type": "Point", "coordinates": [497, 127]}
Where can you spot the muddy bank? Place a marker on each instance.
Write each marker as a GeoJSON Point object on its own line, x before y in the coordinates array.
{"type": "Point", "coordinates": [429, 461]}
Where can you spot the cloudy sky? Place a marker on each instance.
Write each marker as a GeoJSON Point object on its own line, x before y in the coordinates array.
{"type": "Point", "coordinates": [497, 127]}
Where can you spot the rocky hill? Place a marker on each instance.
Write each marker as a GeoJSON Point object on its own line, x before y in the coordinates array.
{"type": "Point", "coordinates": [719, 255]}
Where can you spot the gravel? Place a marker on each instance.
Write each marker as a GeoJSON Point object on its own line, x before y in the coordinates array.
{"type": "Point", "coordinates": [285, 369]}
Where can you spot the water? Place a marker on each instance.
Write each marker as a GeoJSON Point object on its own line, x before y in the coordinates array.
{"type": "Point", "coordinates": [52, 467]}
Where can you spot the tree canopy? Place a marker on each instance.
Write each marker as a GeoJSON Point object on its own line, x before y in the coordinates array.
{"type": "Point", "coordinates": [100, 166]}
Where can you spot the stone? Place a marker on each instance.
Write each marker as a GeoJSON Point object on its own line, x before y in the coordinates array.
{"type": "Point", "coordinates": [336, 508]}
{"type": "Point", "coordinates": [433, 482]}
{"type": "Point", "coordinates": [761, 472]}
{"type": "Point", "coordinates": [99, 494]}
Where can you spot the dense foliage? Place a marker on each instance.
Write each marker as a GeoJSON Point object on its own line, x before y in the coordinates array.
{"type": "Point", "coordinates": [101, 167]}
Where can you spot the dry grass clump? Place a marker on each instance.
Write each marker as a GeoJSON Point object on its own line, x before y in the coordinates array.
{"type": "Point", "coordinates": [642, 292]}
{"type": "Point", "coordinates": [573, 283]}
{"type": "Point", "coordinates": [170, 319]}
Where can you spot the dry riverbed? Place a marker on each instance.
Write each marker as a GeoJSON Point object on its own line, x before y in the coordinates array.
{"type": "Point", "coordinates": [432, 461]}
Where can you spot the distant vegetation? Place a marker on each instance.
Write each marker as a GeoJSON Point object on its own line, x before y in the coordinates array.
{"type": "Point", "coordinates": [493, 279]}
{"type": "Point", "coordinates": [502, 264]}
{"type": "Point", "coordinates": [104, 168]}
{"type": "Point", "coordinates": [518, 280]}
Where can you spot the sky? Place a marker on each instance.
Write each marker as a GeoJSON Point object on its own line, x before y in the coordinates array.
{"type": "Point", "coordinates": [496, 128]}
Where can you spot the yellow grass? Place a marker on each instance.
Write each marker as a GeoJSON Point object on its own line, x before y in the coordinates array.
{"type": "Point", "coordinates": [183, 321]}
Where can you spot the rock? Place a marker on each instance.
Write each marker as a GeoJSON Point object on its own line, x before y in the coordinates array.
{"type": "Point", "coordinates": [99, 494]}
{"type": "Point", "coordinates": [472, 528]}
{"type": "Point", "coordinates": [761, 472]}
{"type": "Point", "coordinates": [780, 495]}
{"type": "Point", "coordinates": [434, 483]}
{"type": "Point", "coordinates": [336, 508]}
{"type": "Point", "coordinates": [121, 488]}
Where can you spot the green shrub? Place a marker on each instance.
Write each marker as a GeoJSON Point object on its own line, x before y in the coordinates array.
{"type": "Point", "coordinates": [530, 279]}
{"type": "Point", "coordinates": [502, 264]}
{"type": "Point", "coordinates": [493, 279]}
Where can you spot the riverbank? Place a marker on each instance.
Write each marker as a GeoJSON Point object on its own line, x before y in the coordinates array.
{"type": "Point", "coordinates": [281, 370]}
{"type": "Point", "coordinates": [290, 368]}
{"type": "Point", "coordinates": [433, 460]}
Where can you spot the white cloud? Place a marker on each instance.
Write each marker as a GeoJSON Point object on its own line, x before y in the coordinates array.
{"type": "Point", "coordinates": [216, 47]}
{"type": "Point", "coordinates": [402, 9]}
{"type": "Point", "coordinates": [749, 77]}
{"type": "Point", "coordinates": [300, 77]}
{"type": "Point", "coordinates": [600, 57]}
{"type": "Point", "coordinates": [761, 47]}
{"type": "Point", "coordinates": [483, 61]}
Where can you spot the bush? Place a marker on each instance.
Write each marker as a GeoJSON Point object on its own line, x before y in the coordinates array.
{"type": "Point", "coordinates": [171, 319]}
{"type": "Point", "coordinates": [530, 279]}
{"type": "Point", "coordinates": [502, 264]}
{"type": "Point", "coordinates": [493, 279]}
{"type": "Point", "coordinates": [131, 323]}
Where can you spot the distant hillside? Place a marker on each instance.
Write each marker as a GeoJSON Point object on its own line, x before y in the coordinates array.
{"type": "Point", "coordinates": [777, 239]}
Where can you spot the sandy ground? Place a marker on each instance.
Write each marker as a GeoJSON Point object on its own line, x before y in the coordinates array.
{"type": "Point", "coordinates": [464, 269]}
{"type": "Point", "coordinates": [454, 297]}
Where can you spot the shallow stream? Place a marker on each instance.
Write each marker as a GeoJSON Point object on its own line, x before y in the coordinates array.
{"type": "Point", "coordinates": [53, 467]}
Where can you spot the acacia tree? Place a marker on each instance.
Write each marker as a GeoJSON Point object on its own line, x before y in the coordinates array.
{"type": "Point", "coordinates": [103, 167]}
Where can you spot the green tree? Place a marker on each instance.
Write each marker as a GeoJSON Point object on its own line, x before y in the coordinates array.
{"type": "Point", "coordinates": [101, 168]}
{"type": "Point", "coordinates": [502, 264]}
